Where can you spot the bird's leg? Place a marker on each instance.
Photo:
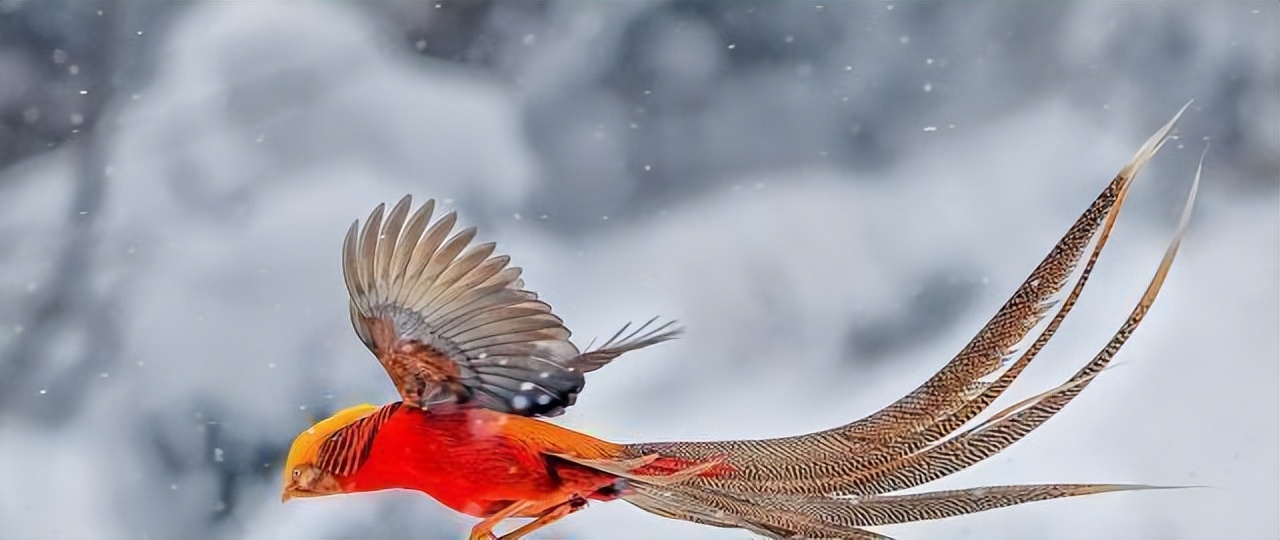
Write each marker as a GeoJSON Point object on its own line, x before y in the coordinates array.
{"type": "Point", "coordinates": [484, 529]}
{"type": "Point", "coordinates": [546, 518]}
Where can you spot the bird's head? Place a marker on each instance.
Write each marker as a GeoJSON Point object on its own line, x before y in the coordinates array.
{"type": "Point", "coordinates": [302, 476]}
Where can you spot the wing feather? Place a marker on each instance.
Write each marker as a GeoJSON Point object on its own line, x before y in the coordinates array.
{"type": "Point", "coordinates": [387, 244]}
{"type": "Point", "coordinates": [451, 322]}
{"type": "Point", "coordinates": [401, 258]}
{"type": "Point", "coordinates": [437, 265]}
{"type": "Point", "coordinates": [443, 289]}
{"type": "Point", "coordinates": [408, 278]}
{"type": "Point", "coordinates": [618, 345]}
{"type": "Point", "coordinates": [473, 319]}
{"type": "Point", "coordinates": [369, 250]}
{"type": "Point", "coordinates": [508, 326]}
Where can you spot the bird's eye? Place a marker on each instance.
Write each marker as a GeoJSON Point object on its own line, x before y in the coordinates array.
{"type": "Point", "coordinates": [297, 473]}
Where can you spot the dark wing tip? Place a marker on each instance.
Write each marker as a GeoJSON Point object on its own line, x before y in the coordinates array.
{"type": "Point", "coordinates": [515, 391]}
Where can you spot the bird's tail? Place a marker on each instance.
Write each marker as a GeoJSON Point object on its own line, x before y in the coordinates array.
{"type": "Point", "coordinates": [832, 483]}
{"type": "Point", "coordinates": [815, 516]}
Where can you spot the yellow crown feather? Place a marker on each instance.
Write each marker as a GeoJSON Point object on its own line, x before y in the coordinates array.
{"type": "Point", "coordinates": [307, 444]}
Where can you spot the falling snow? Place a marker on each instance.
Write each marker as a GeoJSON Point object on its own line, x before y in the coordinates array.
{"type": "Point", "coordinates": [643, 138]}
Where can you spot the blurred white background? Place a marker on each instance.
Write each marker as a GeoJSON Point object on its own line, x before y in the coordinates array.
{"type": "Point", "coordinates": [832, 197]}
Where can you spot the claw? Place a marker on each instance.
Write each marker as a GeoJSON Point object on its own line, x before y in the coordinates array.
{"type": "Point", "coordinates": [478, 533]}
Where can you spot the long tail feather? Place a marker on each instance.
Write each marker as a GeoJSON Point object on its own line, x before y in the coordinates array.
{"type": "Point", "coordinates": [946, 426]}
{"type": "Point", "coordinates": [1008, 427]}
{"type": "Point", "coordinates": [833, 483]}
{"type": "Point", "coordinates": [982, 394]}
{"type": "Point", "coordinates": [985, 352]}
{"type": "Point", "coordinates": [891, 509]}
{"type": "Point", "coordinates": [792, 516]}
{"type": "Point", "coordinates": [774, 518]}
{"type": "Point", "coordinates": [948, 400]}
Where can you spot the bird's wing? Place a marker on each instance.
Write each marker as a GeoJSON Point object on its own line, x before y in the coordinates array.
{"type": "Point", "coordinates": [451, 322]}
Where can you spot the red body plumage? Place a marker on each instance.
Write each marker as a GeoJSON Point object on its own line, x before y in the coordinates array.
{"type": "Point", "coordinates": [478, 461]}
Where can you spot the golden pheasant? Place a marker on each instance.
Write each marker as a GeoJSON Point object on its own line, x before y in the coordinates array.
{"type": "Point", "coordinates": [477, 358]}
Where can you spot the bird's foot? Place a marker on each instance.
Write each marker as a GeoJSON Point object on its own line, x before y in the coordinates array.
{"type": "Point", "coordinates": [481, 534]}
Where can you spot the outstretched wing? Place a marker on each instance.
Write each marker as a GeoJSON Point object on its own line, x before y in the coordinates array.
{"type": "Point", "coordinates": [451, 322]}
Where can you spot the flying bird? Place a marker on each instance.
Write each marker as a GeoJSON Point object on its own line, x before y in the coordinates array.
{"type": "Point", "coordinates": [477, 359]}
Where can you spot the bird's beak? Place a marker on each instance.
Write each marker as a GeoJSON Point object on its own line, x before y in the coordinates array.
{"type": "Point", "coordinates": [288, 492]}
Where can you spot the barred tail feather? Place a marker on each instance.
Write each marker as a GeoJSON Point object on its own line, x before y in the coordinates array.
{"type": "Point", "coordinates": [833, 484]}
{"type": "Point", "coordinates": [957, 394]}
{"type": "Point", "coordinates": [792, 516]}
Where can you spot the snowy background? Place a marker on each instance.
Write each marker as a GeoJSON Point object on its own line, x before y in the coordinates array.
{"type": "Point", "coordinates": [832, 197]}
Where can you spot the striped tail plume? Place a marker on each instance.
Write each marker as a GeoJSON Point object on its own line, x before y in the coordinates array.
{"type": "Point", "coordinates": [833, 483]}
